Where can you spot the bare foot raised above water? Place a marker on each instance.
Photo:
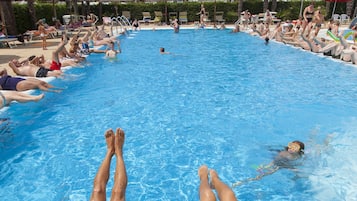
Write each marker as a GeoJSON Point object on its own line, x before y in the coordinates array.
{"type": "Point", "coordinates": [214, 178]}
{"type": "Point", "coordinates": [110, 139]}
{"type": "Point", "coordinates": [203, 172]}
{"type": "Point", "coordinates": [119, 141]}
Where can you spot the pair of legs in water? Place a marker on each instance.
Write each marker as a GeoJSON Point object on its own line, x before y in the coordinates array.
{"type": "Point", "coordinates": [115, 145]}
{"type": "Point", "coordinates": [224, 192]}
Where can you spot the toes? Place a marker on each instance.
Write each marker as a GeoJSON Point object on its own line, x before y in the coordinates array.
{"type": "Point", "coordinates": [120, 132]}
{"type": "Point", "coordinates": [109, 133]}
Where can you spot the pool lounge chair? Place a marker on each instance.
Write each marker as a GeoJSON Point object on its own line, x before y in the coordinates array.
{"type": "Point", "coordinates": [158, 17]}
{"type": "Point", "coordinates": [8, 42]}
{"type": "Point", "coordinates": [126, 14]}
{"type": "Point", "coordinates": [146, 17]}
{"type": "Point", "coordinates": [219, 17]}
{"type": "Point", "coordinates": [336, 17]}
{"type": "Point", "coordinates": [172, 16]}
{"type": "Point", "coordinates": [345, 19]}
{"type": "Point", "coordinates": [35, 34]}
{"type": "Point", "coordinates": [183, 17]}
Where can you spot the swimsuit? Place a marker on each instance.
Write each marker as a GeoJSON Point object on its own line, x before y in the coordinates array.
{"type": "Point", "coordinates": [42, 72]}
{"type": "Point", "coordinates": [55, 66]}
{"type": "Point", "coordinates": [9, 83]}
{"type": "Point", "coordinates": [309, 16]}
{"type": "Point", "coordinates": [85, 48]}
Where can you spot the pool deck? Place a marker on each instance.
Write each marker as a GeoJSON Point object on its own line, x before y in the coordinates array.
{"type": "Point", "coordinates": [33, 47]}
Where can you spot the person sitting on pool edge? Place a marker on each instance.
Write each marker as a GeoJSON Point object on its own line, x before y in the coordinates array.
{"type": "Point", "coordinates": [36, 71]}
{"type": "Point", "coordinates": [225, 193]}
{"type": "Point", "coordinates": [20, 84]}
{"type": "Point", "coordinates": [115, 145]}
{"type": "Point", "coordinates": [284, 159]}
{"type": "Point", "coordinates": [6, 97]}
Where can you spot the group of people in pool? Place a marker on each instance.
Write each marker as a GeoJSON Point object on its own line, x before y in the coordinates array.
{"type": "Point", "coordinates": [209, 179]}
{"type": "Point", "coordinates": [35, 67]}
{"type": "Point", "coordinates": [304, 33]}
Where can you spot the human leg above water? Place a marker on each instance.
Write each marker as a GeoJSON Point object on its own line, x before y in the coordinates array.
{"type": "Point", "coordinates": [101, 179]}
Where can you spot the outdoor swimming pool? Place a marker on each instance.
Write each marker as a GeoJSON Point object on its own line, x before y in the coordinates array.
{"type": "Point", "coordinates": [221, 99]}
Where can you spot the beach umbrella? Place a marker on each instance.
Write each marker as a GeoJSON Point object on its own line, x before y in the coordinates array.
{"type": "Point", "coordinates": [334, 5]}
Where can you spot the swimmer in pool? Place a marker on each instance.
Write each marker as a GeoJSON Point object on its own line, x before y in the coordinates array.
{"type": "Point", "coordinates": [111, 52]}
{"type": "Point", "coordinates": [162, 51]}
{"type": "Point", "coordinates": [284, 159]}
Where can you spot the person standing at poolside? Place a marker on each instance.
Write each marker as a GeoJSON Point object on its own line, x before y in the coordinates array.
{"type": "Point", "coordinates": [202, 14]}
{"type": "Point", "coordinates": [246, 18]}
{"type": "Point", "coordinates": [115, 145]}
{"type": "Point", "coordinates": [318, 20]}
{"type": "Point", "coordinates": [43, 34]}
{"type": "Point", "coordinates": [267, 17]}
{"type": "Point", "coordinates": [284, 159]}
{"type": "Point", "coordinates": [308, 16]}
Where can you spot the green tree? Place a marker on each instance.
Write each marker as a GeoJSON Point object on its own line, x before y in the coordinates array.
{"type": "Point", "coordinates": [32, 12]}
{"type": "Point", "coordinates": [240, 8]}
{"type": "Point", "coordinates": [8, 17]}
{"type": "Point", "coordinates": [274, 5]}
{"type": "Point", "coordinates": [265, 5]}
{"type": "Point", "coordinates": [349, 8]}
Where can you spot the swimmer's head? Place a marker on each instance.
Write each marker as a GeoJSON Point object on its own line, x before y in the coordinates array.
{"type": "Point", "coordinates": [162, 49]}
{"type": "Point", "coordinates": [296, 147]}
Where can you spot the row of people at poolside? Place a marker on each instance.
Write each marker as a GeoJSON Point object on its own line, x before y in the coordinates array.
{"type": "Point", "coordinates": [115, 143]}
{"type": "Point", "coordinates": [294, 34]}
{"type": "Point", "coordinates": [38, 66]}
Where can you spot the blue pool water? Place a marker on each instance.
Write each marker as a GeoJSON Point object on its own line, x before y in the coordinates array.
{"type": "Point", "coordinates": [220, 99]}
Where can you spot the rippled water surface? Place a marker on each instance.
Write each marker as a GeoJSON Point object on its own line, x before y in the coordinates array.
{"type": "Point", "coordinates": [221, 99]}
